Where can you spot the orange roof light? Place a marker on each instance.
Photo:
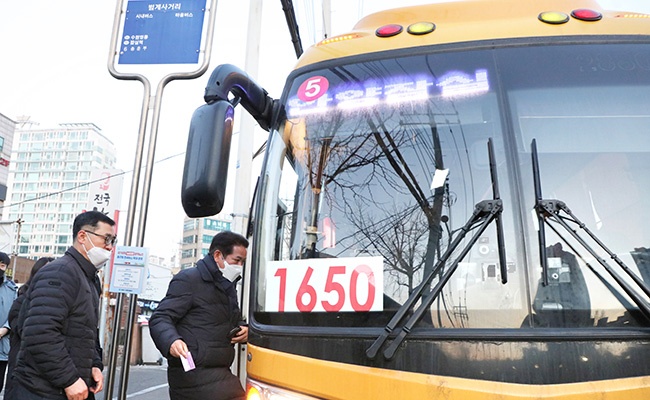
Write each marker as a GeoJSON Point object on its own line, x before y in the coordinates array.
{"type": "Point", "coordinates": [389, 30]}
{"type": "Point", "coordinates": [633, 15]}
{"type": "Point", "coordinates": [585, 14]}
{"type": "Point", "coordinates": [339, 38]}
{"type": "Point", "coordinates": [421, 28]}
{"type": "Point", "coordinates": [553, 17]}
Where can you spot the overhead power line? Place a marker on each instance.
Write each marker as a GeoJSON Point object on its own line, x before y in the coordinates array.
{"type": "Point", "coordinates": [82, 184]}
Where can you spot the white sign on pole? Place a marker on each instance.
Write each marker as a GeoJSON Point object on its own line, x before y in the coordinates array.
{"type": "Point", "coordinates": [129, 269]}
{"type": "Point", "coordinates": [105, 191]}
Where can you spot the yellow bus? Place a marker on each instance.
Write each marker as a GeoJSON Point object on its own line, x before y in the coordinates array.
{"type": "Point", "coordinates": [454, 204]}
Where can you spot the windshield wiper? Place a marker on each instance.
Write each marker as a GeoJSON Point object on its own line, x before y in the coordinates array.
{"type": "Point", "coordinates": [557, 211]}
{"type": "Point", "coordinates": [484, 213]}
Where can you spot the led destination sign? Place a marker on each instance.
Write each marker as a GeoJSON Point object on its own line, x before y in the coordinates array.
{"type": "Point", "coordinates": [315, 95]}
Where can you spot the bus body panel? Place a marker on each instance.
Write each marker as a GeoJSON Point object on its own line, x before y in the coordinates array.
{"type": "Point", "coordinates": [331, 380]}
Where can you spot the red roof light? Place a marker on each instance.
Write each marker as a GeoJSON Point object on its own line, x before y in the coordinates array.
{"type": "Point", "coordinates": [389, 30]}
{"type": "Point", "coordinates": [584, 14]}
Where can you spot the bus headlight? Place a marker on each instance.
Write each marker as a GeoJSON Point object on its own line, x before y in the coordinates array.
{"type": "Point", "coordinates": [260, 391]}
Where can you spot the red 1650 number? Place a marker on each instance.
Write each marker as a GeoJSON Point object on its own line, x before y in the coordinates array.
{"type": "Point", "coordinates": [307, 295]}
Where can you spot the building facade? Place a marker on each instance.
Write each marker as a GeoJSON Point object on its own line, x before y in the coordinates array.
{"type": "Point", "coordinates": [197, 236]}
{"type": "Point", "coordinates": [49, 183]}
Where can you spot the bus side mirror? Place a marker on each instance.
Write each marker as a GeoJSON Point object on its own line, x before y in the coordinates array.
{"type": "Point", "coordinates": [206, 159]}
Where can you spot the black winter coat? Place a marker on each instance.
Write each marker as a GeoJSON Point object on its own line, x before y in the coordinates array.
{"type": "Point", "coordinates": [200, 308]}
{"type": "Point", "coordinates": [58, 326]}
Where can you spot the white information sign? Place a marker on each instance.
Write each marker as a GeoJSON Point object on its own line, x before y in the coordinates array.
{"type": "Point", "coordinates": [354, 284]}
{"type": "Point", "coordinates": [129, 269]}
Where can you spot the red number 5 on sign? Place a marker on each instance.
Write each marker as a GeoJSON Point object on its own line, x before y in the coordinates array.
{"type": "Point", "coordinates": [325, 285]}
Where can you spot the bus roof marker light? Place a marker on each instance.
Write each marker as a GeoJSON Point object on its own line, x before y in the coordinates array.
{"type": "Point", "coordinates": [633, 15]}
{"type": "Point", "coordinates": [421, 28]}
{"type": "Point", "coordinates": [584, 14]}
{"type": "Point", "coordinates": [389, 30]}
{"type": "Point", "coordinates": [339, 38]}
{"type": "Point", "coordinates": [553, 17]}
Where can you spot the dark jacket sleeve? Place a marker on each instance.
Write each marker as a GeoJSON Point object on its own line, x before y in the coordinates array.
{"type": "Point", "coordinates": [99, 356]}
{"type": "Point", "coordinates": [51, 295]}
{"type": "Point", "coordinates": [177, 302]}
{"type": "Point", "coordinates": [14, 311]}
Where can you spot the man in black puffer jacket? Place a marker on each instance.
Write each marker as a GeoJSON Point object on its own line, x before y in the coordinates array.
{"type": "Point", "coordinates": [59, 356]}
{"type": "Point", "coordinates": [196, 317]}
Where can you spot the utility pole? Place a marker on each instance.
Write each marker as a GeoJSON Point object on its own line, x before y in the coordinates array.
{"type": "Point", "coordinates": [247, 125]}
{"type": "Point", "coordinates": [327, 18]}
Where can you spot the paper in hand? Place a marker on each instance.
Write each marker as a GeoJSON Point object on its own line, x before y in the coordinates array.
{"type": "Point", "coordinates": [188, 363]}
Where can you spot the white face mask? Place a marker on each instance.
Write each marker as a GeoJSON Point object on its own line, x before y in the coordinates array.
{"type": "Point", "coordinates": [97, 255]}
{"type": "Point", "coordinates": [231, 271]}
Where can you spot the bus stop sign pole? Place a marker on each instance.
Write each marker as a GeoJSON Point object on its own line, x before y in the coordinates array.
{"type": "Point", "coordinates": [152, 36]}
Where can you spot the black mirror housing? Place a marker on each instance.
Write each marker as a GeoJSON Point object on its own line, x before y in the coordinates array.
{"type": "Point", "coordinates": [206, 159]}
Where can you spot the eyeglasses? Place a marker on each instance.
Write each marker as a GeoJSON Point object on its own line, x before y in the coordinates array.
{"type": "Point", "coordinates": [108, 239]}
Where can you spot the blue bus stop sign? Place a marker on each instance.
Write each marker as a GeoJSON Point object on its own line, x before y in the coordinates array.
{"type": "Point", "coordinates": [162, 32]}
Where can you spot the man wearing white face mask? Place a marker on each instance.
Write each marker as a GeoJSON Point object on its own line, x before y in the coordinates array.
{"type": "Point", "coordinates": [199, 319]}
{"type": "Point", "coordinates": [60, 356]}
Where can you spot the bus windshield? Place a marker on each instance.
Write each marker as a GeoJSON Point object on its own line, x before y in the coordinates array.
{"type": "Point", "coordinates": [379, 163]}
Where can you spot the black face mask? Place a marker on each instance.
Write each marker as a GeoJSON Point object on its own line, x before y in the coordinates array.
{"type": "Point", "coordinates": [2, 276]}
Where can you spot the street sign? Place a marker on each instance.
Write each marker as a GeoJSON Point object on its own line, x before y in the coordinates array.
{"type": "Point", "coordinates": [162, 32]}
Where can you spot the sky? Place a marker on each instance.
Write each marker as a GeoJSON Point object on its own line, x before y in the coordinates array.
{"type": "Point", "coordinates": [53, 68]}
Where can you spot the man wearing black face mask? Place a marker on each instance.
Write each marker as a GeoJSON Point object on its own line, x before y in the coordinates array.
{"type": "Point", "coordinates": [60, 356]}
{"type": "Point", "coordinates": [8, 291]}
{"type": "Point", "coordinates": [199, 319]}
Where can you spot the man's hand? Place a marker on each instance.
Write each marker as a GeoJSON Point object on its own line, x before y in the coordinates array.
{"type": "Point", "coordinates": [4, 332]}
{"type": "Point", "coordinates": [98, 377]}
{"type": "Point", "coordinates": [178, 349]}
{"type": "Point", "coordinates": [77, 391]}
{"type": "Point", "coordinates": [241, 336]}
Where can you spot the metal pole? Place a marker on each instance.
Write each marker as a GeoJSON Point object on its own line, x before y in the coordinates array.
{"type": "Point", "coordinates": [128, 234]}
{"type": "Point", "coordinates": [20, 224]}
{"type": "Point", "coordinates": [144, 206]}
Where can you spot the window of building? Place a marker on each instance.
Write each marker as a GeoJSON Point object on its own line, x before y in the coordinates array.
{"type": "Point", "coordinates": [189, 239]}
{"type": "Point", "coordinates": [190, 225]}
{"type": "Point", "coordinates": [189, 253]}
